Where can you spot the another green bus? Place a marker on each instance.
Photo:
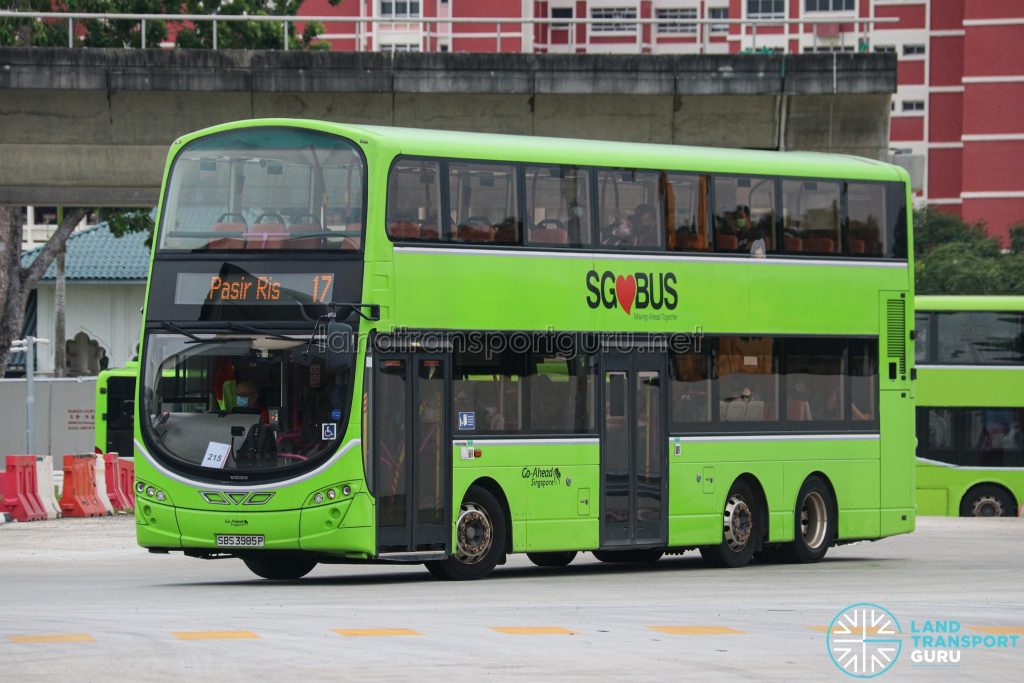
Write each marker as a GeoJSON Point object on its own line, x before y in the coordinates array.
{"type": "Point", "coordinates": [970, 396]}
{"type": "Point", "coordinates": [114, 416]}
{"type": "Point", "coordinates": [382, 344]}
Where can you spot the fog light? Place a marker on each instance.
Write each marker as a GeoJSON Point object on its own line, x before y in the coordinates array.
{"type": "Point", "coordinates": [346, 490]}
{"type": "Point", "coordinates": [160, 495]}
{"type": "Point", "coordinates": [150, 491]}
{"type": "Point", "coordinates": [140, 487]}
{"type": "Point", "coordinates": [332, 494]}
{"type": "Point", "coordinates": [318, 498]}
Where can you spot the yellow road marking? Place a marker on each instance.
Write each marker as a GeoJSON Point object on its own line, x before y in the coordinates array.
{"type": "Point", "coordinates": [871, 630]}
{"type": "Point", "coordinates": [54, 638]}
{"type": "Point", "coordinates": [376, 632]}
{"type": "Point", "coordinates": [697, 630]}
{"type": "Point", "coordinates": [215, 635]}
{"type": "Point", "coordinates": [533, 630]}
{"type": "Point", "coordinates": [999, 630]}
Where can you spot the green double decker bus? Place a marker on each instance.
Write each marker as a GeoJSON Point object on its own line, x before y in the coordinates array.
{"type": "Point", "coordinates": [371, 344]}
{"type": "Point", "coordinates": [970, 397]}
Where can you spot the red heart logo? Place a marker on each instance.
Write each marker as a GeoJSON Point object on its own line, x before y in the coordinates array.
{"type": "Point", "coordinates": [625, 291]}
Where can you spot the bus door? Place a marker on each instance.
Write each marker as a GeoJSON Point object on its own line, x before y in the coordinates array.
{"type": "Point", "coordinates": [120, 416]}
{"type": "Point", "coordinates": [411, 464]}
{"type": "Point", "coordinates": [634, 451]}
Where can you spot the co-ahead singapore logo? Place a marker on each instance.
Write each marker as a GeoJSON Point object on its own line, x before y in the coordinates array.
{"type": "Point", "coordinates": [864, 640]}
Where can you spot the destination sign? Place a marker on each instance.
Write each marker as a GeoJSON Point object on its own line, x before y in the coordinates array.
{"type": "Point", "coordinates": [254, 289]}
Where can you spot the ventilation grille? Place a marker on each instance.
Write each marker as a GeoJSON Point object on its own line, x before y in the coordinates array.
{"type": "Point", "coordinates": [896, 334]}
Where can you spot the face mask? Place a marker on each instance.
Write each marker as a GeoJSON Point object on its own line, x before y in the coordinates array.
{"type": "Point", "coordinates": [741, 222]}
{"type": "Point", "coordinates": [243, 401]}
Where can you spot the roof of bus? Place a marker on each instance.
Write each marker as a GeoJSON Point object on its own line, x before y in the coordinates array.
{"type": "Point", "coordinates": [486, 146]}
{"type": "Point", "coordinates": [969, 303]}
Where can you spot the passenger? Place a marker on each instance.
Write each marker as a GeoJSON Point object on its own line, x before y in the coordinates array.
{"type": "Point", "coordinates": [645, 226]}
{"type": "Point", "coordinates": [621, 235]}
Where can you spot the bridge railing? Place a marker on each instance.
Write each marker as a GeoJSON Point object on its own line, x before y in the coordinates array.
{"type": "Point", "coordinates": [521, 34]}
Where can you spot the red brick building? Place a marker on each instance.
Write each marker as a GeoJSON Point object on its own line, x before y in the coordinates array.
{"type": "Point", "coordinates": [957, 118]}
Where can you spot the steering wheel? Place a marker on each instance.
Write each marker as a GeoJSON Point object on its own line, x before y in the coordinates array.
{"type": "Point", "coordinates": [259, 219]}
{"type": "Point", "coordinates": [313, 219]}
{"type": "Point", "coordinates": [549, 223]}
{"type": "Point", "coordinates": [240, 217]}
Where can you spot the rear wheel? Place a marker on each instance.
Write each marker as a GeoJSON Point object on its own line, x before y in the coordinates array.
{"type": "Point", "coordinates": [552, 559]}
{"type": "Point", "coordinates": [480, 539]}
{"type": "Point", "coordinates": [637, 556]}
{"type": "Point", "coordinates": [987, 501]}
{"type": "Point", "coordinates": [742, 528]}
{"type": "Point", "coordinates": [814, 521]}
{"type": "Point", "coordinates": [280, 566]}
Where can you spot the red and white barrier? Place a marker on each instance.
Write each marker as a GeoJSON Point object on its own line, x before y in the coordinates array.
{"type": "Point", "coordinates": [44, 486]}
{"type": "Point", "coordinates": [101, 484]}
{"type": "Point", "coordinates": [114, 475]}
{"type": "Point", "coordinates": [19, 489]}
{"type": "Point", "coordinates": [80, 497]}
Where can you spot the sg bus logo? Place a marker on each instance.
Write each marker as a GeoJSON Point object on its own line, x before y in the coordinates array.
{"type": "Point", "coordinates": [864, 640]}
{"type": "Point", "coordinates": [639, 290]}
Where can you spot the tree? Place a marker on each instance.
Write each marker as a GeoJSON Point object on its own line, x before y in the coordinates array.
{"type": "Point", "coordinates": [954, 257]}
{"type": "Point", "coordinates": [17, 280]}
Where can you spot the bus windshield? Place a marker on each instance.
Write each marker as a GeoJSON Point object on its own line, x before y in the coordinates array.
{"type": "Point", "coordinates": [241, 402]}
{"type": "Point", "coordinates": [265, 188]}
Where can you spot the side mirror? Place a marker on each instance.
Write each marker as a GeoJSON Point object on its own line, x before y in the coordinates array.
{"type": "Point", "coordinates": [341, 346]}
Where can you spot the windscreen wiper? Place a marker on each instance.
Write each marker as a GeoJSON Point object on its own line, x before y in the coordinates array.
{"type": "Point", "coordinates": [174, 328]}
{"type": "Point", "coordinates": [255, 330]}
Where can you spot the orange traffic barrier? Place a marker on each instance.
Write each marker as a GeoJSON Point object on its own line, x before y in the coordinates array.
{"type": "Point", "coordinates": [80, 497]}
{"type": "Point", "coordinates": [113, 476]}
{"type": "Point", "coordinates": [126, 471]}
{"type": "Point", "coordinates": [19, 489]}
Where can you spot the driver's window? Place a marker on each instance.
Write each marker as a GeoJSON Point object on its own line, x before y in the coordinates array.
{"type": "Point", "coordinates": [558, 206]}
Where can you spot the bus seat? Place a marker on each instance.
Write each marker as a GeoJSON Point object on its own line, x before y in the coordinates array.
{"type": "Point", "coordinates": [549, 236]}
{"type": "Point", "coordinates": [689, 241]}
{"type": "Point", "coordinates": [266, 236]}
{"type": "Point", "coordinates": [753, 411]}
{"type": "Point", "coordinates": [404, 230]}
{"type": "Point", "coordinates": [856, 246]}
{"type": "Point", "coordinates": [793, 243]}
{"type": "Point", "coordinates": [350, 244]}
{"type": "Point", "coordinates": [475, 233]}
{"type": "Point", "coordinates": [797, 409]}
{"type": "Point", "coordinates": [819, 245]}
{"type": "Point", "coordinates": [726, 241]}
{"type": "Point", "coordinates": [506, 234]}
{"type": "Point", "coordinates": [235, 228]}
{"type": "Point", "coordinates": [734, 411]}
{"type": "Point", "coordinates": [307, 242]}
{"type": "Point", "coordinates": [429, 231]}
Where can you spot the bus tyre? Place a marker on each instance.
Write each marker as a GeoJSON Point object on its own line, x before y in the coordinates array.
{"type": "Point", "coordinates": [480, 535]}
{"type": "Point", "coordinates": [814, 522]}
{"type": "Point", "coordinates": [987, 501]}
{"type": "Point", "coordinates": [742, 528]}
{"type": "Point", "coordinates": [552, 559]}
{"type": "Point", "coordinates": [637, 556]}
{"type": "Point", "coordinates": [280, 566]}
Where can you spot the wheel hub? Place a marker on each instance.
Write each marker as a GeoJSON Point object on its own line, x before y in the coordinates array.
{"type": "Point", "coordinates": [813, 520]}
{"type": "Point", "coordinates": [738, 523]}
{"type": "Point", "coordinates": [474, 534]}
{"type": "Point", "coordinates": [987, 506]}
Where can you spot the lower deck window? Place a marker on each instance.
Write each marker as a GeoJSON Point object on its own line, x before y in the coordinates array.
{"type": "Point", "coordinates": [972, 437]}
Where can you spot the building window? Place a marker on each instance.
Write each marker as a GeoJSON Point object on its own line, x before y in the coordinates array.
{"type": "Point", "coordinates": [828, 48]}
{"type": "Point", "coordinates": [885, 48]}
{"type": "Point", "coordinates": [828, 5]}
{"type": "Point", "coordinates": [400, 47]}
{"type": "Point", "coordinates": [913, 105]}
{"type": "Point", "coordinates": [913, 50]}
{"type": "Point", "coordinates": [669, 20]}
{"type": "Point", "coordinates": [608, 13]}
{"type": "Point", "coordinates": [561, 13]}
{"type": "Point", "coordinates": [719, 13]}
{"type": "Point", "coordinates": [400, 9]}
{"type": "Point", "coordinates": [766, 9]}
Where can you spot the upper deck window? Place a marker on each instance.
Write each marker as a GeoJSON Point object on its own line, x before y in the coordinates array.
{"type": "Point", "coordinates": [744, 214]}
{"type": "Point", "coordinates": [265, 188]}
{"type": "Point", "coordinates": [979, 338]}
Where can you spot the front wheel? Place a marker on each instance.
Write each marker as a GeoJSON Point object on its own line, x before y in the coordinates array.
{"type": "Point", "coordinates": [480, 539]}
{"type": "Point", "coordinates": [552, 559]}
{"type": "Point", "coordinates": [741, 529]}
{"type": "Point", "coordinates": [280, 566]}
{"type": "Point", "coordinates": [987, 501]}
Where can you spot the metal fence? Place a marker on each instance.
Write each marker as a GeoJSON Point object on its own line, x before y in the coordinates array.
{"type": "Point", "coordinates": [430, 30]}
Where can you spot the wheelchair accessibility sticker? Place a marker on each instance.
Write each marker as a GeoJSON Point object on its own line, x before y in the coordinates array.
{"type": "Point", "coordinates": [329, 431]}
